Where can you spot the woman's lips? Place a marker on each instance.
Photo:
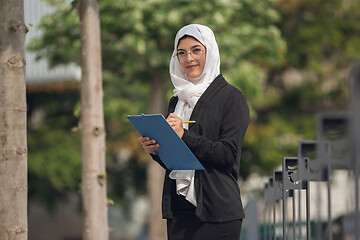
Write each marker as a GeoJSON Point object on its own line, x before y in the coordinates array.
{"type": "Point", "coordinates": [191, 66]}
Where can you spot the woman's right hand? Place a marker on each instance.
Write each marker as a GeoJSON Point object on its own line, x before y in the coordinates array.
{"type": "Point", "coordinates": [149, 145]}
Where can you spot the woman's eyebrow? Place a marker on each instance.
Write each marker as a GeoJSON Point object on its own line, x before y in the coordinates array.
{"type": "Point", "coordinates": [196, 46]}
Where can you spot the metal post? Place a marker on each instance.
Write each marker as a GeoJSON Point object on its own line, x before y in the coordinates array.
{"type": "Point", "coordinates": [274, 220]}
{"type": "Point", "coordinates": [287, 185]}
{"type": "Point", "coordinates": [318, 212]}
{"type": "Point", "coordinates": [292, 181]}
{"type": "Point", "coordinates": [335, 145]}
{"type": "Point", "coordinates": [269, 225]}
{"type": "Point", "coordinates": [299, 221]}
{"type": "Point", "coordinates": [265, 211]}
{"type": "Point", "coordinates": [271, 200]}
{"type": "Point", "coordinates": [354, 78]}
{"type": "Point", "coordinates": [329, 203]}
{"type": "Point", "coordinates": [284, 203]}
{"type": "Point", "coordinates": [294, 216]}
{"type": "Point", "coordinates": [278, 192]}
{"type": "Point", "coordinates": [308, 211]}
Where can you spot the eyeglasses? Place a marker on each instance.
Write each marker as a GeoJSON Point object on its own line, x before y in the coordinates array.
{"type": "Point", "coordinates": [194, 53]}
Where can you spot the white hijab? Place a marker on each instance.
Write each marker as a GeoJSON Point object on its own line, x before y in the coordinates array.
{"type": "Point", "coordinates": [189, 90]}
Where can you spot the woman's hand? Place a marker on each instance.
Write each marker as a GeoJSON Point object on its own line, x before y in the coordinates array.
{"type": "Point", "coordinates": [176, 124]}
{"type": "Point", "coordinates": [149, 145]}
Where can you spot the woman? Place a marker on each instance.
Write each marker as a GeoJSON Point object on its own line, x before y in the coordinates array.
{"type": "Point", "coordinates": [203, 204]}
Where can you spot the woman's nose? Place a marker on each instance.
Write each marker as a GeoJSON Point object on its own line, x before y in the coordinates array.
{"type": "Point", "coordinates": [189, 57]}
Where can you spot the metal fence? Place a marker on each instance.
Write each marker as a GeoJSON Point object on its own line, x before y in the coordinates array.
{"type": "Point", "coordinates": [336, 147]}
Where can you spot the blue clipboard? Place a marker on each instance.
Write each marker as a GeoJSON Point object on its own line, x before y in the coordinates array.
{"type": "Point", "coordinates": [173, 152]}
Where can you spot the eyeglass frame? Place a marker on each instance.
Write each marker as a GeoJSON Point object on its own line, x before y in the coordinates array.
{"type": "Point", "coordinates": [191, 54]}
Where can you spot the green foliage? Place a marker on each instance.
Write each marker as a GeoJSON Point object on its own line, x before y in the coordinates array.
{"type": "Point", "coordinates": [137, 43]}
{"type": "Point", "coordinates": [318, 31]}
{"type": "Point", "coordinates": [319, 35]}
{"type": "Point", "coordinates": [259, 41]}
{"type": "Point", "coordinates": [137, 37]}
{"type": "Point", "coordinates": [54, 160]}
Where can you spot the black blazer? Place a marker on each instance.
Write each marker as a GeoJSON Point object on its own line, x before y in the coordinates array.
{"type": "Point", "coordinates": [222, 118]}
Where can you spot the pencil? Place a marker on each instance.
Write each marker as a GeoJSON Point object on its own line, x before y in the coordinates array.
{"type": "Point", "coordinates": [189, 121]}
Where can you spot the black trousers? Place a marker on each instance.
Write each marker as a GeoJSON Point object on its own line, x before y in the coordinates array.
{"type": "Point", "coordinates": [187, 226]}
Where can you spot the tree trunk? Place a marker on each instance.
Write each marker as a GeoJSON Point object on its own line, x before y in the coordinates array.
{"type": "Point", "coordinates": [13, 144]}
{"type": "Point", "coordinates": [155, 173]}
{"type": "Point", "coordinates": [94, 198]}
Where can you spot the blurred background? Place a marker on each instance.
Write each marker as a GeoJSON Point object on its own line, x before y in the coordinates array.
{"type": "Point", "coordinates": [290, 58]}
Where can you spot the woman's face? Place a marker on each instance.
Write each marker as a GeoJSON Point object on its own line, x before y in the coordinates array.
{"type": "Point", "coordinates": [192, 56]}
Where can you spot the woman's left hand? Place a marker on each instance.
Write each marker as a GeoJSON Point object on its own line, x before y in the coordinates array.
{"type": "Point", "coordinates": [176, 123]}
